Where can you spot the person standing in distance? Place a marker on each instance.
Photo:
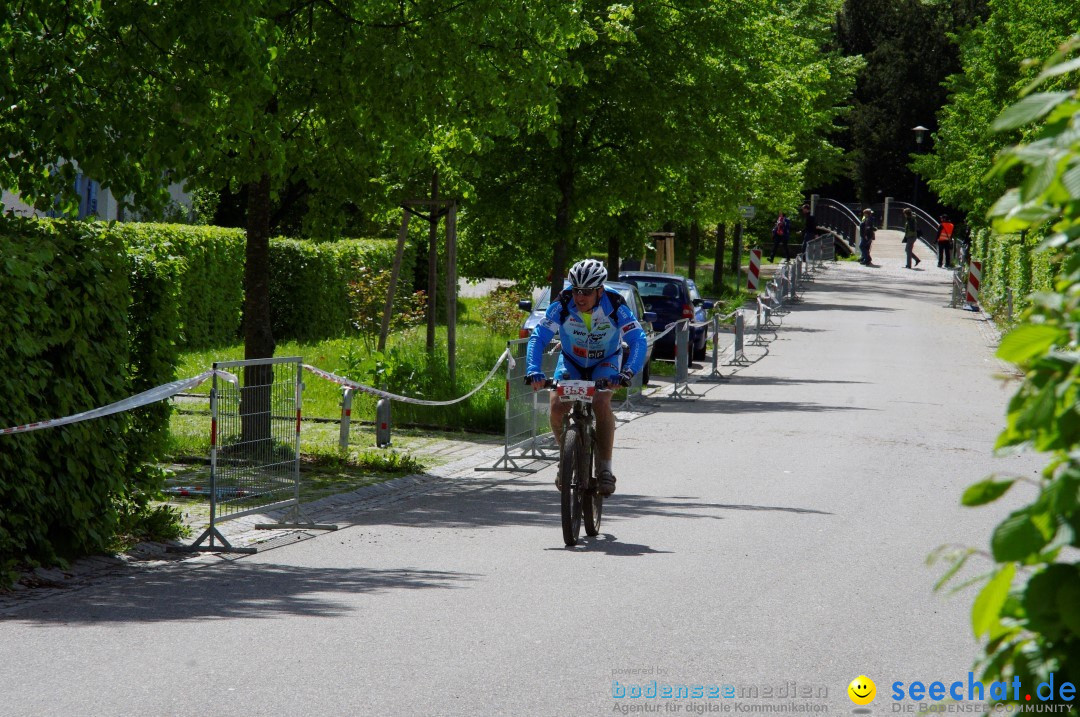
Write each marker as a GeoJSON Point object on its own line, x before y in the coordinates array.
{"type": "Point", "coordinates": [592, 323]}
{"type": "Point", "coordinates": [781, 233]}
{"type": "Point", "coordinates": [944, 242]}
{"type": "Point", "coordinates": [911, 233]}
{"type": "Point", "coordinates": [867, 230]}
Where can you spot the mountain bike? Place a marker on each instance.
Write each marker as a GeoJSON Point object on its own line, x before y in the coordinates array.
{"type": "Point", "coordinates": [580, 490]}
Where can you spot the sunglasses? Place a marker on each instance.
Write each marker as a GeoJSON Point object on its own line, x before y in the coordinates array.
{"type": "Point", "coordinates": [583, 292]}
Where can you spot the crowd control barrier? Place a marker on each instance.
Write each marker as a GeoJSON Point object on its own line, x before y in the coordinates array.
{"type": "Point", "coordinates": [762, 320]}
{"type": "Point", "coordinates": [255, 447]}
{"type": "Point", "coordinates": [681, 389]}
{"type": "Point", "coordinates": [738, 357]}
{"type": "Point", "coordinates": [959, 282]}
{"type": "Point", "coordinates": [527, 432]}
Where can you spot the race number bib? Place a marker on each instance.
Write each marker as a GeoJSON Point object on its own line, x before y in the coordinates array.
{"type": "Point", "coordinates": [576, 391]}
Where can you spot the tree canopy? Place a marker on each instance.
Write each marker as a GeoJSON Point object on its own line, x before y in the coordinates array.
{"type": "Point", "coordinates": [992, 72]}
{"type": "Point", "coordinates": [557, 124]}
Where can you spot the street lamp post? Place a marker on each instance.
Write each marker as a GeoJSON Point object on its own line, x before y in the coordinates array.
{"type": "Point", "coordinates": [920, 132]}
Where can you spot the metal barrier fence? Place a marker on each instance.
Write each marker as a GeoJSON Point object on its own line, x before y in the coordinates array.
{"type": "Point", "coordinates": [255, 446]}
{"type": "Point", "coordinates": [715, 374]}
{"type": "Point", "coordinates": [738, 357]}
{"type": "Point", "coordinates": [959, 282]}
{"type": "Point", "coordinates": [527, 433]}
{"type": "Point", "coordinates": [682, 360]}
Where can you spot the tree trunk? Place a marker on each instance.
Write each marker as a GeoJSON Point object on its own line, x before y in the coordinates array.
{"type": "Point", "coordinates": [433, 265]}
{"type": "Point", "coordinates": [718, 263]}
{"type": "Point", "coordinates": [736, 250]}
{"type": "Point", "coordinates": [692, 269]}
{"type": "Point", "coordinates": [255, 406]}
{"type": "Point", "coordinates": [563, 217]}
{"type": "Point", "coordinates": [613, 256]}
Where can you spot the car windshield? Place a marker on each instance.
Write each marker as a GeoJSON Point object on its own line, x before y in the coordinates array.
{"type": "Point", "coordinates": [694, 295]}
{"type": "Point", "coordinates": [661, 295]}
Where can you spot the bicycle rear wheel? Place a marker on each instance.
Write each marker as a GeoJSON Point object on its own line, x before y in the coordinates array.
{"type": "Point", "coordinates": [592, 503]}
{"type": "Point", "coordinates": [571, 492]}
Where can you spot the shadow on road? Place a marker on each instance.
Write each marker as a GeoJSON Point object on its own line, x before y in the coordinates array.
{"type": "Point", "coordinates": [840, 307]}
{"type": "Point", "coordinates": [691, 405]}
{"type": "Point", "coordinates": [608, 544]}
{"type": "Point", "coordinates": [238, 589]}
{"type": "Point", "coordinates": [492, 504]}
{"type": "Point", "coordinates": [748, 380]}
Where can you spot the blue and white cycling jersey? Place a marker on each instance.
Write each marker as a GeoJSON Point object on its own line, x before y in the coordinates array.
{"type": "Point", "coordinates": [586, 346]}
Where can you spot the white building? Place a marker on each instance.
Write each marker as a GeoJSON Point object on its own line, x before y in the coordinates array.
{"type": "Point", "coordinates": [94, 201]}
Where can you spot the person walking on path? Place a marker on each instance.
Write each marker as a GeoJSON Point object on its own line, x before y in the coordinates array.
{"type": "Point", "coordinates": [780, 234]}
{"type": "Point", "coordinates": [944, 242]}
{"type": "Point", "coordinates": [911, 233]}
{"type": "Point", "coordinates": [810, 229]}
{"type": "Point", "coordinates": [866, 236]}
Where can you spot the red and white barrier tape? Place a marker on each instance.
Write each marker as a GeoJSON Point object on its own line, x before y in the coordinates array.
{"type": "Point", "coordinates": [342, 381]}
{"type": "Point", "coordinates": [158, 393]}
{"type": "Point", "coordinates": [665, 332]}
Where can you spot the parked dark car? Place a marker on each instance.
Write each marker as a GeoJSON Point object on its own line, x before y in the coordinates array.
{"type": "Point", "coordinates": [539, 304]}
{"type": "Point", "coordinates": [672, 298]}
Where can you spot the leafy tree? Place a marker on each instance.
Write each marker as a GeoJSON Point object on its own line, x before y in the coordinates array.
{"type": "Point", "coordinates": [678, 111]}
{"type": "Point", "coordinates": [908, 55]}
{"type": "Point", "coordinates": [1029, 609]}
{"type": "Point", "coordinates": [343, 100]}
{"type": "Point", "coordinates": [992, 72]}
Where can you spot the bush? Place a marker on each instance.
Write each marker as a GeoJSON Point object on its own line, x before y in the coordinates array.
{"type": "Point", "coordinates": [499, 311]}
{"type": "Point", "coordinates": [367, 297]}
{"type": "Point", "coordinates": [206, 266]}
{"type": "Point", "coordinates": [63, 312]}
{"type": "Point", "coordinates": [311, 283]}
{"type": "Point", "coordinates": [309, 280]}
{"type": "Point", "coordinates": [1028, 611]}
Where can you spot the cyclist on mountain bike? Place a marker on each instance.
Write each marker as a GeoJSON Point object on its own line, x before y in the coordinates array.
{"type": "Point", "coordinates": [592, 323]}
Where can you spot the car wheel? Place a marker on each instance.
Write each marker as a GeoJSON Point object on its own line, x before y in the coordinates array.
{"type": "Point", "coordinates": [699, 353]}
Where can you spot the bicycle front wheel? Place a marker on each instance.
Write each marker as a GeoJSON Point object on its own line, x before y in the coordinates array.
{"type": "Point", "coordinates": [592, 503]}
{"type": "Point", "coordinates": [571, 492]}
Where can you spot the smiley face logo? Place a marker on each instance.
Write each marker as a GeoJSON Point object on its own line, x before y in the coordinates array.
{"type": "Point", "coordinates": [862, 690]}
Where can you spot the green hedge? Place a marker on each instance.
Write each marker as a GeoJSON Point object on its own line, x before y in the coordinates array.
{"type": "Point", "coordinates": [308, 284]}
{"type": "Point", "coordinates": [94, 312]}
{"type": "Point", "coordinates": [207, 265]}
{"type": "Point", "coordinates": [1011, 261]}
{"type": "Point", "coordinates": [63, 313]}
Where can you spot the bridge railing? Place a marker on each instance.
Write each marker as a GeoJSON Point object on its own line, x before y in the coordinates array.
{"type": "Point", "coordinates": [837, 217]}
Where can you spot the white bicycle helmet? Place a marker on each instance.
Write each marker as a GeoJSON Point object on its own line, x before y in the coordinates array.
{"type": "Point", "coordinates": [587, 274]}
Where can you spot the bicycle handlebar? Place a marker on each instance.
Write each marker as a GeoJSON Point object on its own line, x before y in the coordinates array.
{"type": "Point", "coordinates": [600, 384]}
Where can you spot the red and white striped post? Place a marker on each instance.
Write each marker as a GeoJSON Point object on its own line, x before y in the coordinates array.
{"type": "Point", "coordinates": [754, 273]}
{"type": "Point", "coordinates": [973, 282]}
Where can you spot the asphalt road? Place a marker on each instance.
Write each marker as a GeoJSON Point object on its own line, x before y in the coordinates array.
{"type": "Point", "coordinates": [771, 534]}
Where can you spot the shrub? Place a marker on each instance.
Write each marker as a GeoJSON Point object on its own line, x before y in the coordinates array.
{"type": "Point", "coordinates": [63, 312]}
{"type": "Point", "coordinates": [367, 297]}
{"type": "Point", "coordinates": [1028, 611]}
{"type": "Point", "coordinates": [499, 311]}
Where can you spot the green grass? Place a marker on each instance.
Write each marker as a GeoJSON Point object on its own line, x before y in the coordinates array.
{"type": "Point", "coordinates": [662, 368]}
{"type": "Point", "coordinates": [407, 370]}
